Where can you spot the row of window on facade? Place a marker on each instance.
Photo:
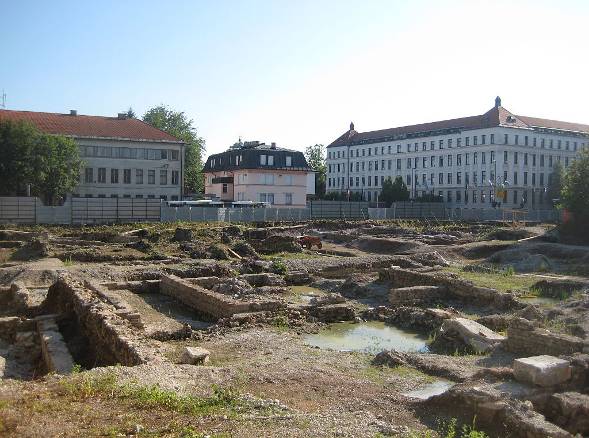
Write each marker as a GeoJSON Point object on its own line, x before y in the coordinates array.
{"type": "Point", "coordinates": [260, 178]}
{"type": "Point", "coordinates": [480, 196]}
{"type": "Point", "coordinates": [266, 197]}
{"type": "Point", "coordinates": [126, 176]}
{"type": "Point", "coordinates": [440, 160]}
{"type": "Point", "coordinates": [447, 179]}
{"type": "Point", "coordinates": [265, 160]}
{"type": "Point", "coordinates": [414, 147]}
{"type": "Point", "coordinates": [130, 153]}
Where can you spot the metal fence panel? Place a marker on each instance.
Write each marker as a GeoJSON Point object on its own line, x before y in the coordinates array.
{"type": "Point", "coordinates": [18, 209]}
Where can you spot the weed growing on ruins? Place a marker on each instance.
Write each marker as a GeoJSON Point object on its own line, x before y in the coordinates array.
{"type": "Point", "coordinates": [68, 261]}
{"type": "Point", "coordinates": [280, 321]}
{"type": "Point", "coordinates": [279, 267]}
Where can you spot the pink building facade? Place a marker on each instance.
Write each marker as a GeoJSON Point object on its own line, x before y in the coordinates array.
{"type": "Point", "coordinates": [259, 173]}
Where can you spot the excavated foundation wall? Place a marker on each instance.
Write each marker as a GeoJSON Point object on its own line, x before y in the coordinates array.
{"type": "Point", "coordinates": [209, 302]}
{"type": "Point", "coordinates": [448, 287]}
{"type": "Point", "coordinates": [525, 338]}
{"type": "Point", "coordinates": [110, 338]}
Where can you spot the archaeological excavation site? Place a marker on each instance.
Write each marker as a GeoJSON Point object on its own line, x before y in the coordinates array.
{"type": "Point", "coordinates": [319, 329]}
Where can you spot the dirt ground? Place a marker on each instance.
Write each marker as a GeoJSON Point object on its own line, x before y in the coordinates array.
{"type": "Point", "coordinates": [263, 378]}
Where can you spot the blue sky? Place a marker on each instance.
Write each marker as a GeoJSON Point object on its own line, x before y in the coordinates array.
{"type": "Point", "coordinates": [296, 72]}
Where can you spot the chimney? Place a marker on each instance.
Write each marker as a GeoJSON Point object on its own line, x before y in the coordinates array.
{"type": "Point", "coordinates": [122, 116]}
{"type": "Point", "coordinates": [73, 112]}
{"type": "Point", "coordinates": [273, 145]}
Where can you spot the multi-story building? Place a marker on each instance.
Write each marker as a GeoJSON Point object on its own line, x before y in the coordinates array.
{"type": "Point", "coordinates": [254, 171]}
{"type": "Point", "coordinates": [465, 161]}
{"type": "Point", "coordinates": [123, 157]}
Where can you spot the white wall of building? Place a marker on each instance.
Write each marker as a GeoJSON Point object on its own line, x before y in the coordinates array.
{"type": "Point", "coordinates": [278, 186]}
{"type": "Point", "coordinates": [140, 185]}
{"type": "Point", "coordinates": [357, 169]}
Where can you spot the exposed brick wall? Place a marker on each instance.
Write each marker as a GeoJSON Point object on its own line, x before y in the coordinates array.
{"type": "Point", "coordinates": [112, 338]}
{"type": "Point", "coordinates": [453, 287]}
{"type": "Point", "coordinates": [415, 295]}
{"type": "Point", "coordinates": [207, 301]}
{"type": "Point", "coordinates": [525, 338]}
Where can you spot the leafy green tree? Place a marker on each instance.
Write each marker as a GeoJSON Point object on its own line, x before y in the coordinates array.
{"type": "Point", "coordinates": [574, 195]}
{"type": "Point", "coordinates": [58, 166]}
{"type": "Point", "coordinates": [176, 123]}
{"type": "Point", "coordinates": [555, 186]}
{"type": "Point", "coordinates": [315, 156]}
{"type": "Point", "coordinates": [17, 146]}
{"type": "Point", "coordinates": [49, 163]}
{"type": "Point", "coordinates": [393, 191]}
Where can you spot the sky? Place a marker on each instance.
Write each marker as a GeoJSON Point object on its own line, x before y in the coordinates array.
{"type": "Point", "coordinates": [296, 72]}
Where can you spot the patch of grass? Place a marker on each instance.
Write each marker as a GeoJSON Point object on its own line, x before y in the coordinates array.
{"type": "Point", "coordinates": [497, 280]}
{"type": "Point", "coordinates": [82, 387]}
{"type": "Point", "coordinates": [289, 256]}
{"type": "Point", "coordinates": [450, 429]}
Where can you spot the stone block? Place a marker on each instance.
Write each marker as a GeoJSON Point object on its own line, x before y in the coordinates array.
{"type": "Point", "coordinates": [472, 333]}
{"type": "Point", "coordinates": [195, 356]}
{"type": "Point", "coordinates": [542, 370]}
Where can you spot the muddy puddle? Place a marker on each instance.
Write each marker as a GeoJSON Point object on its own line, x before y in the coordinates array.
{"type": "Point", "coordinates": [542, 301]}
{"type": "Point", "coordinates": [367, 337]}
{"type": "Point", "coordinates": [435, 388]}
{"type": "Point", "coordinates": [305, 294]}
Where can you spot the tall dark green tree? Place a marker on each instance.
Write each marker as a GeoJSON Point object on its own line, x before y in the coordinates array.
{"type": "Point", "coordinates": [49, 164]}
{"type": "Point", "coordinates": [574, 195]}
{"type": "Point", "coordinates": [130, 113]}
{"type": "Point", "coordinates": [555, 186]}
{"type": "Point", "coordinates": [176, 123]}
{"type": "Point", "coordinates": [315, 156]}
{"type": "Point", "coordinates": [393, 191]}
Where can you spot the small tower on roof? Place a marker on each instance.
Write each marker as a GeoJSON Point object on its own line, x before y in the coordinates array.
{"type": "Point", "coordinates": [497, 102]}
{"type": "Point", "coordinates": [351, 126]}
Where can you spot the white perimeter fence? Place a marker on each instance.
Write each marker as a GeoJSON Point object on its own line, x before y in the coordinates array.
{"type": "Point", "coordinates": [30, 210]}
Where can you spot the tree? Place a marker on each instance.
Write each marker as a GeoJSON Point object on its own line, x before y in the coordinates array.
{"type": "Point", "coordinates": [315, 156]}
{"type": "Point", "coordinates": [130, 113]}
{"type": "Point", "coordinates": [58, 167]}
{"type": "Point", "coordinates": [393, 191]}
{"type": "Point", "coordinates": [176, 123]}
{"type": "Point", "coordinates": [555, 183]}
{"type": "Point", "coordinates": [574, 194]}
{"type": "Point", "coordinates": [49, 163]}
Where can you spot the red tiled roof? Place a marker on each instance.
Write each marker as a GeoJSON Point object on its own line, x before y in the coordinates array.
{"type": "Point", "coordinates": [554, 124]}
{"type": "Point", "coordinates": [89, 126]}
{"type": "Point", "coordinates": [496, 116]}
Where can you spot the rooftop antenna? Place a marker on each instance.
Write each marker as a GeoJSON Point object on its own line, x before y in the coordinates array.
{"type": "Point", "coordinates": [3, 100]}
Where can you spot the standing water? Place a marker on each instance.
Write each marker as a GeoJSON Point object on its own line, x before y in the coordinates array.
{"type": "Point", "coordinates": [367, 337]}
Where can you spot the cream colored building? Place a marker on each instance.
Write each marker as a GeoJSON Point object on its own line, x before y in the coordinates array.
{"type": "Point", "coordinates": [123, 157]}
